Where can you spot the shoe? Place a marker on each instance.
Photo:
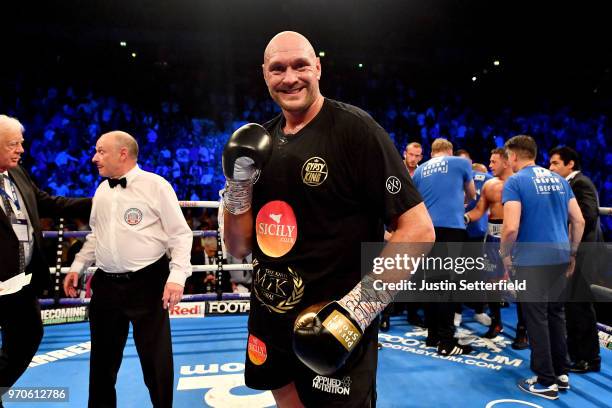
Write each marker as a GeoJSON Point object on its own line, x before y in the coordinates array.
{"type": "Point", "coordinates": [531, 386]}
{"type": "Point", "coordinates": [457, 320]}
{"type": "Point", "coordinates": [453, 349]}
{"type": "Point", "coordinates": [385, 324]}
{"type": "Point", "coordinates": [520, 341]}
{"type": "Point", "coordinates": [582, 366]}
{"type": "Point", "coordinates": [563, 382]}
{"type": "Point", "coordinates": [494, 331]}
{"type": "Point", "coordinates": [483, 319]}
{"type": "Point", "coordinates": [431, 342]}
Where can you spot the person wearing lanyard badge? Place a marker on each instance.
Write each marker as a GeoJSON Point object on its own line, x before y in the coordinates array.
{"type": "Point", "coordinates": [24, 271]}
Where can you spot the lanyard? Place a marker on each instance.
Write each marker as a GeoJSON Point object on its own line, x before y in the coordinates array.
{"type": "Point", "coordinates": [14, 198]}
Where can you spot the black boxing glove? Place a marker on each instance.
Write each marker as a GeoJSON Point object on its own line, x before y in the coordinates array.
{"type": "Point", "coordinates": [245, 153]}
{"type": "Point", "coordinates": [324, 335]}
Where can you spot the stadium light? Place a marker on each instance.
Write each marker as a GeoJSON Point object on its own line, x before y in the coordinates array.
{"type": "Point", "coordinates": [496, 63]}
{"type": "Point", "coordinates": [474, 79]}
{"type": "Point", "coordinates": [133, 55]}
{"type": "Point", "coordinates": [123, 44]}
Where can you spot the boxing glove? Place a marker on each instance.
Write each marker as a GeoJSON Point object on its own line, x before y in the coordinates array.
{"type": "Point", "coordinates": [324, 335]}
{"type": "Point", "coordinates": [247, 151]}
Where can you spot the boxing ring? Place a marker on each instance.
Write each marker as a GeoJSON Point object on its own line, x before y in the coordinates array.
{"type": "Point", "coordinates": [209, 335]}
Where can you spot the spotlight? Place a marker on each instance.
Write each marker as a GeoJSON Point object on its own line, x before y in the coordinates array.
{"type": "Point", "coordinates": [496, 63]}
{"type": "Point", "coordinates": [123, 44]}
{"type": "Point", "coordinates": [474, 79]}
{"type": "Point", "coordinates": [360, 65]}
{"type": "Point", "coordinates": [321, 53]}
{"type": "Point", "coordinates": [133, 55]}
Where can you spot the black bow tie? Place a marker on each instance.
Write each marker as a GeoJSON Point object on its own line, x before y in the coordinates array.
{"type": "Point", "coordinates": [115, 182]}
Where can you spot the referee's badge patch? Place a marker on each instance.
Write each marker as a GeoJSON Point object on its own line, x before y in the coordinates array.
{"type": "Point", "coordinates": [132, 216]}
{"type": "Point", "coordinates": [257, 350]}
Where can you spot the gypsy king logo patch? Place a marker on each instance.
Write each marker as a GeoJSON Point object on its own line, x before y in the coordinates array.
{"type": "Point", "coordinates": [133, 216]}
{"type": "Point", "coordinates": [276, 228]}
{"type": "Point", "coordinates": [314, 171]}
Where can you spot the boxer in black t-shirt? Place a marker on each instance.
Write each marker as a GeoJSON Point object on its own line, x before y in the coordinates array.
{"type": "Point", "coordinates": [303, 192]}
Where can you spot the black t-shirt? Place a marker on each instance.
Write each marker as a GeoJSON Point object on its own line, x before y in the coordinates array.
{"type": "Point", "coordinates": [325, 190]}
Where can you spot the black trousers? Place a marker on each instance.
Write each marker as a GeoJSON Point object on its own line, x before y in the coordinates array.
{"type": "Point", "coordinates": [545, 321]}
{"type": "Point", "coordinates": [582, 333]}
{"type": "Point", "coordinates": [115, 304]}
{"type": "Point", "coordinates": [439, 313]}
{"type": "Point", "coordinates": [520, 318]}
{"type": "Point", "coordinates": [22, 332]}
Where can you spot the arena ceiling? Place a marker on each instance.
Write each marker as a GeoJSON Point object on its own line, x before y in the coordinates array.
{"type": "Point", "coordinates": [448, 40]}
{"type": "Point", "coordinates": [432, 31]}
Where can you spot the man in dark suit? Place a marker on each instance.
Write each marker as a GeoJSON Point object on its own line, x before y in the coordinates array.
{"type": "Point", "coordinates": [582, 338]}
{"type": "Point", "coordinates": [24, 271]}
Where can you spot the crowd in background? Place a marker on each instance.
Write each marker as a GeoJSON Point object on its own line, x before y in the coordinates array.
{"type": "Point", "coordinates": [62, 125]}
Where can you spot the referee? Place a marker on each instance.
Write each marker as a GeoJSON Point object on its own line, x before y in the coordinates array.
{"type": "Point", "coordinates": [135, 220]}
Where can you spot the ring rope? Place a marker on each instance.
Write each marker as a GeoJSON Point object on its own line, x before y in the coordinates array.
{"type": "Point", "coordinates": [194, 268]}
{"type": "Point", "coordinates": [186, 298]}
{"type": "Point", "coordinates": [82, 234]}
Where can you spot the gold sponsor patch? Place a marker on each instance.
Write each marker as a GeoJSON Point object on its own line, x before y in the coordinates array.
{"type": "Point", "coordinates": [342, 329]}
{"type": "Point", "coordinates": [278, 291]}
{"type": "Point", "coordinates": [314, 171]}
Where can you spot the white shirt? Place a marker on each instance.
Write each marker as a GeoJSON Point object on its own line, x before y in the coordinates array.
{"type": "Point", "coordinates": [16, 283]}
{"type": "Point", "coordinates": [571, 176]}
{"type": "Point", "coordinates": [133, 227]}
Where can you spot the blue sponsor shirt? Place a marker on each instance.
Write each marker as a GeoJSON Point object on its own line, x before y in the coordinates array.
{"type": "Point", "coordinates": [478, 228]}
{"type": "Point", "coordinates": [440, 181]}
{"type": "Point", "coordinates": [544, 198]}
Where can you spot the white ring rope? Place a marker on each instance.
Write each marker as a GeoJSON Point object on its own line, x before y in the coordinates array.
{"type": "Point", "coordinates": [199, 268]}
{"type": "Point", "coordinates": [199, 204]}
{"type": "Point", "coordinates": [83, 234]}
{"type": "Point", "coordinates": [195, 268]}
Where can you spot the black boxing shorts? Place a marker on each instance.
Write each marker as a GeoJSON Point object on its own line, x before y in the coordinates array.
{"type": "Point", "coordinates": [494, 266]}
{"type": "Point", "coordinates": [270, 367]}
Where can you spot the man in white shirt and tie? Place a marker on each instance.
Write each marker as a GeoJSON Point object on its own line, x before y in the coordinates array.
{"type": "Point", "coordinates": [135, 221]}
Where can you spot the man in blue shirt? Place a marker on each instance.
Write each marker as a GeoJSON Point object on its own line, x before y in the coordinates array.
{"type": "Point", "coordinates": [446, 184]}
{"type": "Point", "coordinates": [537, 207]}
{"type": "Point", "coordinates": [477, 229]}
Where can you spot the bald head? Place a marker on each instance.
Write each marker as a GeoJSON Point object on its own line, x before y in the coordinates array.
{"type": "Point", "coordinates": [123, 140]}
{"type": "Point", "coordinates": [292, 72]}
{"type": "Point", "coordinates": [116, 154]}
{"type": "Point", "coordinates": [288, 41]}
